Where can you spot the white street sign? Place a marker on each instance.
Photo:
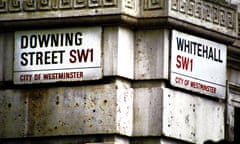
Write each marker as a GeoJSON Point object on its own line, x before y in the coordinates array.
{"type": "Point", "coordinates": [198, 64]}
{"type": "Point", "coordinates": [70, 54]}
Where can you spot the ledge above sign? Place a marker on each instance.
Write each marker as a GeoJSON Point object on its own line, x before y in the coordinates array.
{"type": "Point", "coordinates": [211, 15]}
{"type": "Point", "coordinates": [54, 55]}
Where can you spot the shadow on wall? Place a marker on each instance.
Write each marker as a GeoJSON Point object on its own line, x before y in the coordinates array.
{"type": "Point", "coordinates": [219, 142]}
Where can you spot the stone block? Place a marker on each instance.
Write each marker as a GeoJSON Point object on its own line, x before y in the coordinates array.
{"type": "Point", "coordinates": [147, 111]}
{"type": "Point", "coordinates": [151, 54]}
{"type": "Point", "coordinates": [13, 115]}
{"type": "Point", "coordinates": [118, 52]}
{"type": "Point", "coordinates": [233, 76]}
{"type": "Point", "coordinates": [76, 110]}
{"type": "Point", "coordinates": [192, 118]}
{"type": "Point", "coordinates": [6, 53]}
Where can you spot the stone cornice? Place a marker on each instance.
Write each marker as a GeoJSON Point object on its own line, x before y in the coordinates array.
{"type": "Point", "coordinates": [234, 55]}
{"type": "Point", "coordinates": [210, 15]}
{"type": "Point", "coordinates": [234, 88]}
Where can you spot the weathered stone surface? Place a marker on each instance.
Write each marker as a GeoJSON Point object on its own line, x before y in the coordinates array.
{"type": "Point", "coordinates": [13, 117]}
{"type": "Point", "coordinates": [151, 54]}
{"type": "Point", "coordinates": [147, 111]}
{"type": "Point", "coordinates": [233, 76]}
{"type": "Point", "coordinates": [206, 14]}
{"type": "Point", "coordinates": [50, 8]}
{"type": "Point", "coordinates": [233, 100]}
{"type": "Point", "coordinates": [76, 139]}
{"type": "Point", "coordinates": [141, 105]}
{"type": "Point", "coordinates": [6, 53]}
{"type": "Point", "coordinates": [192, 118]}
{"type": "Point", "coordinates": [118, 52]}
{"type": "Point", "coordinates": [90, 109]}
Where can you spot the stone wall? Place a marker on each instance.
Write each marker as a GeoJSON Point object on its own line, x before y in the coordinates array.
{"type": "Point", "coordinates": [133, 100]}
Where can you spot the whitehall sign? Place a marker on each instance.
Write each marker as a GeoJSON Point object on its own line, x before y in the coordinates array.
{"type": "Point", "coordinates": [71, 54]}
{"type": "Point", "coordinates": [198, 64]}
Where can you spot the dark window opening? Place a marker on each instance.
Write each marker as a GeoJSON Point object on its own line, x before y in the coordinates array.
{"type": "Point", "coordinates": [237, 125]}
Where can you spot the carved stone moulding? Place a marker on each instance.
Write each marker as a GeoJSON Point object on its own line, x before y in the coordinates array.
{"type": "Point", "coordinates": [209, 14]}
{"type": "Point", "coordinates": [204, 13]}
{"type": "Point", "coordinates": [38, 5]}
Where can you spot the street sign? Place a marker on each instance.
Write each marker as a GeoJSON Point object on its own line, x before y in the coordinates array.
{"type": "Point", "coordinates": [69, 54]}
{"type": "Point", "coordinates": [198, 64]}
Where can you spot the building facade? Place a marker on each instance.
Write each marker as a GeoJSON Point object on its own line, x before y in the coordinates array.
{"type": "Point", "coordinates": [119, 72]}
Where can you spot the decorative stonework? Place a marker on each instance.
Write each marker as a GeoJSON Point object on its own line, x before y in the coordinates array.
{"type": "Point", "coordinates": [153, 4]}
{"type": "Point", "coordinates": [40, 5]}
{"type": "Point", "coordinates": [130, 4]}
{"type": "Point", "coordinates": [205, 11]}
{"type": "Point", "coordinates": [209, 14]}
